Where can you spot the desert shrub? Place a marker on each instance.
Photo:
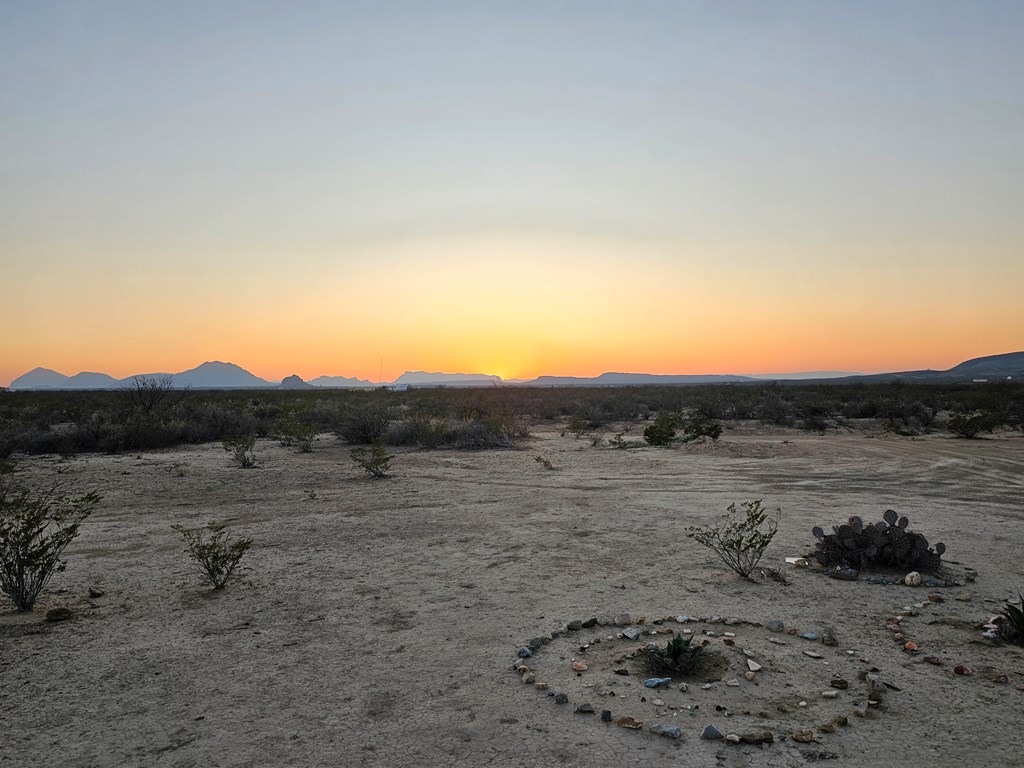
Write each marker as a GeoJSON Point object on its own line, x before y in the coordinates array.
{"type": "Point", "coordinates": [374, 460]}
{"type": "Point", "coordinates": [365, 423]}
{"type": "Point", "coordinates": [663, 430]}
{"type": "Point", "coordinates": [299, 434]}
{"type": "Point", "coordinates": [546, 463]}
{"type": "Point", "coordinates": [774, 409]}
{"type": "Point", "coordinates": [241, 450]}
{"type": "Point", "coordinates": [1011, 628]}
{"type": "Point", "coordinates": [970, 425]}
{"type": "Point", "coordinates": [149, 394]}
{"type": "Point", "coordinates": [740, 538]}
{"type": "Point", "coordinates": [579, 425]}
{"type": "Point", "coordinates": [619, 441]}
{"type": "Point", "coordinates": [680, 655]}
{"type": "Point", "coordinates": [214, 553]}
{"type": "Point", "coordinates": [35, 528]}
{"type": "Point", "coordinates": [419, 430]}
{"type": "Point", "coordinates": [888, 542]}
{"type": "Point", "coordinates": [698, 427]}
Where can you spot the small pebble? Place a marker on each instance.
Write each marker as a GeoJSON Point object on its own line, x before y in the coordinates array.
{"type": "Point", "coordinates": [829, 694]}
{"type": "Point", "coordinates": [561, 698]}
{"type": "Point", "coordinates": [749, 676]}
{"type": "Point", "coordinates": [585, 709]}
{"type": "Point", "coordinates": [711, 733]}
{"type": "Point", "coordinates": [529, 677]}
{"type": "Point", "coordinates": [606, 715]}
{"type": "Point", "coordinates": [732, 738]}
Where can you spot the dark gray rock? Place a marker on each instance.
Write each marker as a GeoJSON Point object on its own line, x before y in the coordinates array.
{"type": "Point", "coordinates": [776, 626]}
{"type": "Point", "coordinates": [712, 733]}
{"type": "Point", "coordinates": [561, 698]}
{"type": "Point", "coordinates": [524, 653]}
{"type": "Point", "coordinates": [667, 730]}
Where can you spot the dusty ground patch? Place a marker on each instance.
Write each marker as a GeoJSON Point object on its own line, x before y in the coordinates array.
{"type": "Point", "coordinates": [373, 622]}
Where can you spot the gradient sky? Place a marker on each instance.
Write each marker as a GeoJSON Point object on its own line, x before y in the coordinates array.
{"type": "Point", "coordinates": [514, 188]}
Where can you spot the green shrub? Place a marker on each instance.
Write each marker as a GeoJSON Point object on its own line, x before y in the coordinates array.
{"type": "Point", "coordinates": [579, 425]}
{"type": "Point", "coordinates": [365, 423]}
{"type": "Point", "coordinates": [740, 538]}
{"type": "Point", "coordinates": [299, 434]}
{"type": "Point", "coordinates": [970, 425]}
{"type": "Point", "coordinates": [698, 427]}
{"type": "Point", "coordinates": [374, 460]}
{"type": "Point", "coordinates": [546, 463]}
{"type": "Point", "coordinates": [241, 450]}
{"type": "Point", "coordinates": [215, 555]}
{"type": "Point", "coordinates": [34, 531]}
{"type": "Point", "coordinates": [663, 430]}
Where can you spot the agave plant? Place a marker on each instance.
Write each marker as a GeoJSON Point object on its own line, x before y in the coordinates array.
{"type": "Point", "coordinates": [1011, 628]}
{"type": "Point", "coordinates": [681, 655]}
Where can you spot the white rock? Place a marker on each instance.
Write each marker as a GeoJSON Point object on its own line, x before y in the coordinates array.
{"type": "Point", "coordinates": [829, 694]}
{"type": "Point", "coordinates": [913, 579]}
{"type": "Point", "coordinates": [752, 665]}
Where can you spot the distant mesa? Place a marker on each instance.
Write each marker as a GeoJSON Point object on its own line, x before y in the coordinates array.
{"type": "Point", "coordinates": [424, 378]}
{"type": "Point", "coordinates": [339, 382]}
{"type": "Point", "coordinates": [294, 382]}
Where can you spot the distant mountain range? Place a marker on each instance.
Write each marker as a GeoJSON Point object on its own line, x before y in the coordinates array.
{"type": "Point", "coordinates": [218, 375]}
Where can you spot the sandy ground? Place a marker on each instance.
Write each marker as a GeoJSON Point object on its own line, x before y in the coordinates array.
{"type": "Point", "coordinates": [375, 621]}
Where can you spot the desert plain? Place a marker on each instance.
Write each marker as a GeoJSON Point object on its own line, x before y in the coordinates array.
{"type": "Point", "coordinates": [375, 622]}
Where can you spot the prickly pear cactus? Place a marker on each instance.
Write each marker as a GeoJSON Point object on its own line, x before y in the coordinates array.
{"type": "Point", "coordinates": [888, 542]}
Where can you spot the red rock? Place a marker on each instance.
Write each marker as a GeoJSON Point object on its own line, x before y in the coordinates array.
{"type": "Point", "coordinates": [962, 669]}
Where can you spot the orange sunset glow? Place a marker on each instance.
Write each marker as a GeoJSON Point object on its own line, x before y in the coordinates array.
{"type": "Point", "coordinates": [664, 194]}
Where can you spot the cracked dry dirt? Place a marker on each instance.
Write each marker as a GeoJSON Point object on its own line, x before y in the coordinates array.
{"type": "Point", "coordinates": [374, 624]}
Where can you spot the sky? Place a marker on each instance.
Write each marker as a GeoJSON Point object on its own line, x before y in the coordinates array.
{"type": "Point", "coordinates": [515, 188]}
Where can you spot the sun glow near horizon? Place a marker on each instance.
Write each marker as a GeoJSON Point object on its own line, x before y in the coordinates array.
{"type": "Point", "coordinates": [513, 189]}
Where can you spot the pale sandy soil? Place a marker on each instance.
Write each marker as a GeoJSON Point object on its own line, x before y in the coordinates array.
{"type": "Point", "coordinates": [375, 624]}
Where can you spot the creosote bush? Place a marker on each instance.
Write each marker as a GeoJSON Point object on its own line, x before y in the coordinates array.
{"type": "Point", "coordinates": [241, 450]}
{"type": "Point", "coordinates": [374, 460]}
{"type": "Point", "coordinates": [215, 555]}
{"type": "Point", "coordinates": [740, 538]}
{"type": "Point", "coordinates": [35, 528]}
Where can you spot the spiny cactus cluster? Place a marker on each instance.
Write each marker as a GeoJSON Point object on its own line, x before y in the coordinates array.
{"type": "Point", "coordinates": [889, 542]}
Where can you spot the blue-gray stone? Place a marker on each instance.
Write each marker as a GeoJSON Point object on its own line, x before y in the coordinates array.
{"type": "Point", "coordinates": [631, 633]}
{"type": "Point", "coordinates": [711, 733]}
{"type": "Point", "coordinates": [524, 653]}
{"type": "Point", "coordinates": [656, 682]}
{"type": "Point", "coordinates": [667, 730]}
{"type": "Point", "coordinates": [809, 635]}
{"type": "Point", "coordinates": [775, 626]}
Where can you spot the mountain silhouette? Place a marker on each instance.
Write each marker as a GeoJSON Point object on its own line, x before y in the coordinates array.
{"type": "Point", "coordinates": [218, 375]}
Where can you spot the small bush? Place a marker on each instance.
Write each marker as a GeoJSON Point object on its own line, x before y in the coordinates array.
{"type": "Point", "coordinates": [374, 460]}
{"type": "Point", "coordinates": [698, 427]}
{"type": "Point", "coordinates": [681, 655]}
{"type": "Point", "coordinates": [620, 442]}
{"type": "Point", "coordinates": [34, 531]}
{"type": "Point", "coordinates": [740, 539]}
{"type": "Point", "coordinates": [970, 425]}
{"type": "Point", "coordinates": [241, 450]}
{"type": "Point", "coordinates": [215, 555]}
{"type": "Point", "coordinates": [299, 434]}
{"type": "Point", "coordinates": [546, 463]}
{"type": "Point", "coordinates": [663, 430]}
{"type": "Point", "coordinates": [365, 424]}
{"type": "Point", "coordinates": [579, 425]}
